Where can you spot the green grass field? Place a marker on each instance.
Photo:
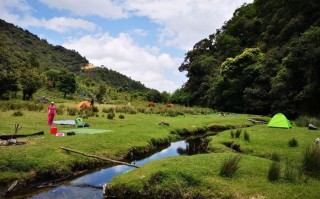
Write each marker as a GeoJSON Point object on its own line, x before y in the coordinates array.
{"type": "Point", "coordinates": [198, 176]}
{"type": "Point", "coordinates": [184, 176]}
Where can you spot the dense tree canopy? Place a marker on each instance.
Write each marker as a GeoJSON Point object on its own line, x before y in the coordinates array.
{"type": "Point", "coordinates": [264, 60]}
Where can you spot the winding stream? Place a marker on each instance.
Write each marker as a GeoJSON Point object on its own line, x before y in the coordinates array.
{"type": "Point", "coordinates": [91, 185]}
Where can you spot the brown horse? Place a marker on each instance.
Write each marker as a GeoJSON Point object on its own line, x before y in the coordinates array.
{"type": "Point", "coordinates": [169, 105]}
{"type": "Point", "coordinates": [151, 104]}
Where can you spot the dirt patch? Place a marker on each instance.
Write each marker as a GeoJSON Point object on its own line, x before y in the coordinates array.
{"type": "Point", "coordinates": [88, 66]}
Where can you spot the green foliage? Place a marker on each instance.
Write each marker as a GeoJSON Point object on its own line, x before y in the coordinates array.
{"type": "Point", "coordinates": [274, 171]}
{"type": "Point", "coordinates": [268, 57]}
{"type": "Point", "coordinates": [304, 121]}
{"type": "Point", "coordinates": [229, 166]}
{"type": "Point", "coordinates": [153, 96]}
{"type": "Point", "coordinates": [67, 83]}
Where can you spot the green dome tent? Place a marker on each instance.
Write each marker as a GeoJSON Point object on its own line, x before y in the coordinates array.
{"type": "Point", "coordinates": [279, 121]}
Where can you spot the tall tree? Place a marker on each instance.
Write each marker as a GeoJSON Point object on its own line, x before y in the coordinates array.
{"type": "Point", "coordinates": [67, 83]}
{"type": "Point", "coordinates": [31, 80]}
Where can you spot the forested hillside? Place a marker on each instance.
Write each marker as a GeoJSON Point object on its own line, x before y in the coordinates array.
{"type": "Point", "coordinates": [266, 59]}
{"type": "Point", "coordinates": [28, 63]}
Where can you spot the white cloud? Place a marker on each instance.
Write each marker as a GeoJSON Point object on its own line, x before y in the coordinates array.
{"type": "Point", "coordinates": [185, 22]}
{"type": "Point", "coordinates": [59, 24]}
{"type": "Point", "coordinates": [103, 8]}
{"type": "Point", "coordinates": [144, 64]}
{"type": "Point", "coordinates": [9, 7]}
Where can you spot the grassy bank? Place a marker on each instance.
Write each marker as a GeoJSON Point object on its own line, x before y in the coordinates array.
{"type": "Point", "coordinates": [42, 156]}
{"type": "Point", "coordinates": [199, 176]}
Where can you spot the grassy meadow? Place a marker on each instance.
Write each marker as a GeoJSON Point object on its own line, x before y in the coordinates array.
{"type": "Point", "coordinates": [139, 130]}
{"type": "Point", "coordinates": [199, 176]}
{"type": "Point", "coordinates": [42, 154]}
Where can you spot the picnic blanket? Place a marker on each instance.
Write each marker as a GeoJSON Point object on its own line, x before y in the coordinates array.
{"type": "Point", "coordinates": [64, 122]}
{"type": "Point", "coordinates": [86, 130]}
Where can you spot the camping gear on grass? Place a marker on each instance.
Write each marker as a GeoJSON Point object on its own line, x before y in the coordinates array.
{"type": "Point", "coordinates": [78, 131]}
{"type": "Point", "coordinates": [279, 121]}
{"type": "Point", "coordinates": [53, 130]}
{"type": "Point", "coordinates": [64, 122]}
{"type": "Point", "coordinates": [312, 127]}
{"type": "Point", "coordinates": [80, 123]}
{"type": "Point", "coordinates": [83, 104]}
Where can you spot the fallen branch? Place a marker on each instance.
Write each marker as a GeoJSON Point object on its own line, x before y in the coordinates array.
{"type": "Point", "coordinates": [257, 121]}
{"type": "Point", "coordinates": [12, 186]}
{"type": "Point", "coordinates": [6, 137]}
{"type": "Point", "coordinates": [101, 158]}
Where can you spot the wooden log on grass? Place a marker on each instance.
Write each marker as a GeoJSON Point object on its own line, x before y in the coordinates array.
{"type": "Point", "coordinates": [101, 158]}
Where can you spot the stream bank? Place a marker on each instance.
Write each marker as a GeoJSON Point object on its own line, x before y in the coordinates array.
{"type": "Point", "coordinates": [153, 145]}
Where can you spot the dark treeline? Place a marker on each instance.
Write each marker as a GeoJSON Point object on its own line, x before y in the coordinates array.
{"type": "Point", "coordinates": [266, 59]}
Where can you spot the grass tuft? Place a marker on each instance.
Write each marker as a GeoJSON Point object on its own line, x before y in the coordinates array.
{"type": "Point", "coordinates": [246, 136]}
{"type": "Point", "coordinates": [293, 142]}
{"type": "Point", "coordinates": [229, 166]}
{"type": "Point", "coordinates": [311, 160]}
{"type": "Point", "coordinates": [17, 114]}
{"type": "Point", "coordinates": [274, 171]}
{"type": "Point", "coordinates": [275, 157]}
{"type": "Point", "coordinates": [291, 172]}
{"type": "Point", "coordinates": [238, 133]}
{"type": "Point", "coordinates": [232, 134]}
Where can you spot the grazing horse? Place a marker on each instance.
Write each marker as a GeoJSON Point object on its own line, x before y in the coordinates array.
{"type": "Point", "coordinates": [169, 105]}
{"type": "Point", "coordinates": [151, 104]}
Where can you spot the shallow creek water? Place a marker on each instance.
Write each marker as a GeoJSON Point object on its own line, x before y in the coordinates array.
{"type": "Point", "coordinates": [91, 185]}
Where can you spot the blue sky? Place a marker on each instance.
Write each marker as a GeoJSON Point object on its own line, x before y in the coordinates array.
{"type": "Point", "coordinates": [143, 39]}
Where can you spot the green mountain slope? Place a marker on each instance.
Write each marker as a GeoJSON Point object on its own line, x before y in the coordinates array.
{"type": "Point", "coordinates": [28, 63]}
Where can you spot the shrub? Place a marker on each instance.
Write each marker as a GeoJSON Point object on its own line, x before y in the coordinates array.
{"type": "Point", "coordinates": [95, 109]}
{"type": "Point", "coordinates": [59, 111]}
{"type": "Point", "coordinates": [311, 160]}
{"type": "Point", "coordinates": [121, 116]}
{"type": "Point", "coordinates": [229, 166]}
{"type": "Point", "coordinates": [274, 171]}
{"type": "Point", "coordinates": [293, 143]}
{"type": "Point", "coordinates": [71, 111]}
{"type": "Point", "coordinates": [238, 133]}
{"type": "Point", "coordinates": [17, 114]}
{"type": "Point", "coordinates": [110, 116]}
{"type": "Point", "coordinates": [304, 121]}
{"type": "Point", "coordinates": [246, 136]}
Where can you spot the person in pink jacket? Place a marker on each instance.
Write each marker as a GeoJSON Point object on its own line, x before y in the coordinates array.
{"type": "Point", "coordinates": [51, 113]}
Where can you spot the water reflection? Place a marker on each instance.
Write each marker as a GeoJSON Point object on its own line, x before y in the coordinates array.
{"type": "Point", "coordinates": [90, 185]}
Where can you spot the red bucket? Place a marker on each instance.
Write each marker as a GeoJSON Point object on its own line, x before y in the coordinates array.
{"type": "Point", "coordinates": [53, 130]}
